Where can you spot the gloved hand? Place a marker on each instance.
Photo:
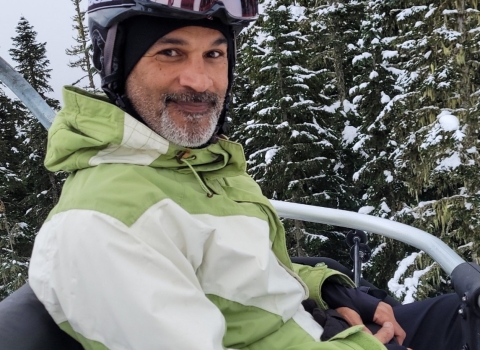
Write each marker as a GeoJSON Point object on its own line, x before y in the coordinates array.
{"type": "Point", "coordinates": [358, 308]}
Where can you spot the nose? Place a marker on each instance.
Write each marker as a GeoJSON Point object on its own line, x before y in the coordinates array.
{"type": "Point", "coordinates": [195, 76]}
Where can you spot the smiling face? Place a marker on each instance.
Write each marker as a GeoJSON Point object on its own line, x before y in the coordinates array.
{"type": "Point", "coordinates": [178, 87]}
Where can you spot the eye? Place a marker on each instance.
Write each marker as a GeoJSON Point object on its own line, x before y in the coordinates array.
{"type": "Point", "coordinates": [168, 53]}
{"type": "Point", "coordinates": [215, 54]}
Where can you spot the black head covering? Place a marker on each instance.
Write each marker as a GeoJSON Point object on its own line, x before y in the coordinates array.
{"type": "Point", "coordinates": [142, 32]}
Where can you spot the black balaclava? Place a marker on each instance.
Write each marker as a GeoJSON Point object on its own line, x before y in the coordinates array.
{"type": "Point", "coordinates": [141, 32]}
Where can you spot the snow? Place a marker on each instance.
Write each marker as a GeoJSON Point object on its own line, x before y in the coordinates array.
{"type": "Point", "coordinates": [468, 245]}
{"type": "Point", "coordinates": [450, 12]}
{"type": "Point", "coordinates": [361, 57]}
{"type": "Point", "coordinates": [385, 207]}
{"type": "Point", "coordinates": [348, 106]}
{"type": "Point", "coordinates": [404, 14]}
{"type": "Point", "coordinates": [266, 111]}
{"type": "Point", "coordinates": [448, 122]}
{"type": "Point", "coordinates": [321, 238]}
{"type": "Point", "coordinates": [431, 11]}
{"type": "Point", "coordinates": [409, 286]}
{"type": "Point", "coordinates": [269, 155]}
{"type": "Point", "coordinates": [388, 176]}
{"type": "Point", "coordinates": [349, 134]}
{"type": "Point", "coordinates": [408, 44]}
{"type": "Point", "coordinates": [448, 34]}
{"type": "Point", "coordinates": [373, 75]}
{"type": "Point", "coordinates": [375, 252]}
{"type": "Point", "coordinates": [389, 54]}
{"type": "Point", "coordinates": [366, 210]}
{"type": "Point", "coordinates": [472, 150]}
{"type": "Point", "coordinates": [332, 108]}
{"type": "Point", "coordinates": [385, 98]}
{"type": "Point", "coordinates": [449, 163]}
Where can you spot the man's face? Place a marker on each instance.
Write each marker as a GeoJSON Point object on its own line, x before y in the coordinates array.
{"type": "Point", "coordinates": [179, 85]}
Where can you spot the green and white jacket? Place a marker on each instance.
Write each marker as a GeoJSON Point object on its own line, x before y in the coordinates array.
{"type": "Point", "coordinates": [153, 246]}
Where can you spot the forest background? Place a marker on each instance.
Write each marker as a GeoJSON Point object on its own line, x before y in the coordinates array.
{"type": "Point", "coordinates": [368, 106]}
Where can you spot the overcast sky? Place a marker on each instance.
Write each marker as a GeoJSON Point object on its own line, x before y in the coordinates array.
{"type": "Point", "coordinates": [52, 20]}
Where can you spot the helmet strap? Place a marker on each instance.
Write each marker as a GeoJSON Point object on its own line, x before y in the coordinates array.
{"type": "Point", "coordinates": [109, 47]}
{"type": "Point", "coordinates": [110, 79]}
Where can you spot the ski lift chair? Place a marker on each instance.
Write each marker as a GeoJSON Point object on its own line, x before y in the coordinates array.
{"type": "Point", "coordinates": [26, 325]}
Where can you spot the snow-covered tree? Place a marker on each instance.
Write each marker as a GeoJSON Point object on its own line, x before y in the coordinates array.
{"type": "Point", "coordinates": [13, 244]}
{"type": "Point", "coordinates": [421, 148]}
{"type": "Point", "coordinates": [439, 152]}
{"type": "Point", "coordinates": [374, 88]}
{"type": "Point", "coordinates": [31, 191]}
{"type": "Point", "coordinates": [292, 150]}
{"type": "Point", "coordinates": [33, 64]}
{"type": "Point", "coordinates": [82, 51]}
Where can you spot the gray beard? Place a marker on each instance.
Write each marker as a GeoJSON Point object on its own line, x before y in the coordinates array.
{"type": "Point", "coordinates": [192, 134]}
{"type": "Point", "coordinates": [156, 116]}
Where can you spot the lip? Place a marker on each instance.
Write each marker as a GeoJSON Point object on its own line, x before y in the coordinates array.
{"type": "Point", "coordinates": [192, 107]}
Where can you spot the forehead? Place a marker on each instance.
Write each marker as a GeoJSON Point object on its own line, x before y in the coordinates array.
{"type": "Point", "coordinates": [193, 35]}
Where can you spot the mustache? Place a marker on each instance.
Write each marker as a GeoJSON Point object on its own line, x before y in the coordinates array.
{"type": "Point", "coordinates": [199, 97]}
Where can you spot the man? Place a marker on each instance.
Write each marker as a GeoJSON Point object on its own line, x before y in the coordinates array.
{"type": "Point", "coordinates": [160, 239]}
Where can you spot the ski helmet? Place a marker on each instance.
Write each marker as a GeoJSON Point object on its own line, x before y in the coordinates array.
{"type": "Point", "coordinates": [105, 19]}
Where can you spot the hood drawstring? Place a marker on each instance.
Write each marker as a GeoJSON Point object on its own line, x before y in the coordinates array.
{"type": "Point", "coordinates": [183, 158]}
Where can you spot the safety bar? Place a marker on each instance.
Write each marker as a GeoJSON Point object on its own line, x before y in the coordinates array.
{"type": "Point", "coordinates": [430, 244]}
{"type": "Point", "coordinates": [26, 93]}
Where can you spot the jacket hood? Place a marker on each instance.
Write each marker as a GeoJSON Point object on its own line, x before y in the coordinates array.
{"type": "Point", "coordinates": [90, 131]}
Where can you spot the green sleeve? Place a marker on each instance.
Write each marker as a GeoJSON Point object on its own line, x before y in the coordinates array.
{"type": "Point", "coordinates": [314, 277]}
{"type": "Point", "coordinates": [352, 338]}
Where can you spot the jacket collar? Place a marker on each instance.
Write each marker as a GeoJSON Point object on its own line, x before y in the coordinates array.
{"type": "Point", "coordinates": [90, 131]}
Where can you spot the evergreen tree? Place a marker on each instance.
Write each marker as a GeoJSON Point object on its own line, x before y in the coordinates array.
{"type": "Point", "coordinates": [291, 149]}
{"type": "Point", "coordinates": [82, 52]}
{"type": "Point", "coordinates": [440, 156]}
{"type": "Point", "coordinates": [429, 129]}
{"type": "Point", "coordinates": [25, 208]}
{"type": "Point", "coordinates": [334, 32]}
{"type": "Point", "coordinates": [375, 89]}
{"type": "Point", "coordinates": [14, 245]}
{"type": "Point", "coordinates": [33, 64]}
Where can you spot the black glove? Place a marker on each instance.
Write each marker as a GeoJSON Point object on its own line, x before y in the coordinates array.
{"type": "Point", "coordinates": [395, 347]}
{"type": "Point", "coordinates": [336, 295]}
{"type": "Point", "coordinates": [331, 321]}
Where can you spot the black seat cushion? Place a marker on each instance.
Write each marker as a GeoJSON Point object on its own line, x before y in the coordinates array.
{"type": "Point", "coordinates": [26, 325]}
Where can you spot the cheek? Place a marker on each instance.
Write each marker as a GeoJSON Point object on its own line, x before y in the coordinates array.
{"type": "Point", "coordinates": [220, 77]}
{"type": "Point", "coordinates": [157, 78]}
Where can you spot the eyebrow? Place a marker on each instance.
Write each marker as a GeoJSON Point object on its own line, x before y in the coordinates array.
{"type": "Point", "coordinates": [181, 42]}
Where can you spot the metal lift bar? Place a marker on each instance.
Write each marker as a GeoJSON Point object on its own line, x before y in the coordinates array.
{"type": "Point", "coordinates": [26, 93]}
{"type": "Point", "coordinates": [430, 244]}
